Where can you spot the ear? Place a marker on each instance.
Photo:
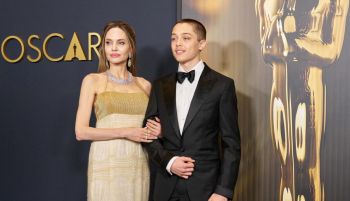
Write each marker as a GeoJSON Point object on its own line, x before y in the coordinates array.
{"type": "Point", "coordinates": [202, 44]}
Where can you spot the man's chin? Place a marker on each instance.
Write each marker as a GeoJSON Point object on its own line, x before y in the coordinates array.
{"type": "Point", "coordinates": [180, 59]}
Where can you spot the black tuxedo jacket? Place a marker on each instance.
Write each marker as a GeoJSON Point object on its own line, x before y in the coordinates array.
{"type": "Point", "coordinates": [210, 136]}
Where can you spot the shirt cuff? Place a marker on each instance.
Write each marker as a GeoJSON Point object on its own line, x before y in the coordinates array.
{"type": "Point", "coordinates": [170, 163]}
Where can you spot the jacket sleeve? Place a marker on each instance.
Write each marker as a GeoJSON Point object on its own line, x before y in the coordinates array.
{"type": "Point", "coordinates": [230, 142]}
{"type": "Point", "coordinates": [155, 149]}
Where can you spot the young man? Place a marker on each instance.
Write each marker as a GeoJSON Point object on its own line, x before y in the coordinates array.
{"type": "Point", "coordinates": [199, 152]}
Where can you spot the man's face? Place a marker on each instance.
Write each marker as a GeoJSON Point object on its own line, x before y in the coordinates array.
{"type": "Point", "coordinates": [186, 45]}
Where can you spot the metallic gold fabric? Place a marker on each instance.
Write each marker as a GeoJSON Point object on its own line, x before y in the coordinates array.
{"type": "Point", "coordinates": [110, 102]}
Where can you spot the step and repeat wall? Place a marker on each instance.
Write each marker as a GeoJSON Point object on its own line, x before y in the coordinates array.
{"type": "Point", "coordinates": [47, 47]}
{"type": "Point", "coordinates": [290, 62]}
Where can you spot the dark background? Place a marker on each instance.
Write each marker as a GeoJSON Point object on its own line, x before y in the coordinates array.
{"type": "Point", "coordinates": [40, 158]}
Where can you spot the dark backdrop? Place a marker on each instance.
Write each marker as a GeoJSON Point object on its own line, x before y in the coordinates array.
{"type": "Point", "coordinates": [40, 158]}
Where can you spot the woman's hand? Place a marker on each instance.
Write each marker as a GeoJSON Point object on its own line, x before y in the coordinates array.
{"type": "Point", "coordinates": [139, 135]}
{"type": "Point", "coordinates": [154, 127]}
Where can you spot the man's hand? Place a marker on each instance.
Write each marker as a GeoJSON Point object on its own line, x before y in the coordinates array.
{"type": "Point", "coordinates": [183, 167]}
{"type": "Point", "coordinates": [217, 197]}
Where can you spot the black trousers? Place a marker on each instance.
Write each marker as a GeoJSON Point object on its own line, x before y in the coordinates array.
{"type": "Point", "coordinates": [180, 192]}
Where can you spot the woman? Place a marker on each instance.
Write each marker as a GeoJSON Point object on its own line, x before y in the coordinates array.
{"type": "Point", "coordinates": [118, 165]}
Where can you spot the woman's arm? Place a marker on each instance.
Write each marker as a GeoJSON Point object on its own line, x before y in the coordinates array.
{"type": "Point", "coordinates": [83, 130]}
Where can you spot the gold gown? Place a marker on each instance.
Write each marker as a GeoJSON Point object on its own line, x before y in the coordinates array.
{"type": "Point", "coordinates": [118, 169]}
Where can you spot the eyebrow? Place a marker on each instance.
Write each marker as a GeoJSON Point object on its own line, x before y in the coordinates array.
{"type": "Point", "coordinates": [182, 34]}
{"type": "Point", "coordinates": [121, 39]}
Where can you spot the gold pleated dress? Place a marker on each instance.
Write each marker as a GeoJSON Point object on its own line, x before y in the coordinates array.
{"type": "Point", "coordinates": [118, 169]}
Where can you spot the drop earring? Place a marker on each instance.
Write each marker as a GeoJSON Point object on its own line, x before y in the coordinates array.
{"type": "Point", "coordinates": [129, 61]}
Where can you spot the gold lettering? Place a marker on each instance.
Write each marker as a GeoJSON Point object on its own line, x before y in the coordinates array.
{"type": "Point", "coordinates": [3, 46]}
{"type": "Point", "coordinates": [75, 50]}
{"type": "Point", "coordinates": [93, 46]}
{"type": "Point", "coordinates": [45, 46]}
{"type": "Point", "coordinates": [30, 44]}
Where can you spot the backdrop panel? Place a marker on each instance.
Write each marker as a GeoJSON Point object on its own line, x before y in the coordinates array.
{"type": "Point", "coordinates": [47, 48]}
{"type": "Point", "coordinates": [290, 63]}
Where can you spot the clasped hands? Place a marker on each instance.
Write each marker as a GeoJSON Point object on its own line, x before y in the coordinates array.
{"type": "Point", "coordinates": [147, 134]}
{"type": "Point", "coordinates": [152, 131]}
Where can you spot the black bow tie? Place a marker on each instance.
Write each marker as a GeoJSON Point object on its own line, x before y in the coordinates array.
{"type": "Point", "coordinates": [181, 76]}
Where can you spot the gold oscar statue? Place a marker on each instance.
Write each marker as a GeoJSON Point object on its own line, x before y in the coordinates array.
{"type": "Point", "coordinates": [299, 40]}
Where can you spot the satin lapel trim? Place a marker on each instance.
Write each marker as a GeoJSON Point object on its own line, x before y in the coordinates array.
{"type": "Point", "coordinates": [203, 88]}
{"type": "Point", "coordinates": [169, 91]}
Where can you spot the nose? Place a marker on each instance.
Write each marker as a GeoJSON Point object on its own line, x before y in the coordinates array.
{"type": "Point", "coordinates": [114, 46]}
{"type": "Point", "coordinates": [178, 42]}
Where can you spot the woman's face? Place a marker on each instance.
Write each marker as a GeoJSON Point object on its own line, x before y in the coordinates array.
{"type": "Point", "coordinates": [117, 46]}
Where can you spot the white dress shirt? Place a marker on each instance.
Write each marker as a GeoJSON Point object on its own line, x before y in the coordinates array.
{"type": "Point", "coordinates": [184, 95]}
{"type": "Point", "coordinates": [185, 92]}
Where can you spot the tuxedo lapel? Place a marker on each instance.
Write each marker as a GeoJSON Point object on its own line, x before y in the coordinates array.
{"type": "Point", "coordinates": [204, 86]}
{"type": "Point", "coordinates": [169, 91]}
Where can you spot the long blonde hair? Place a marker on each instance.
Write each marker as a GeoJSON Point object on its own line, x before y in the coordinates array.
{"type": "Point", "coordinates": [103, 64]}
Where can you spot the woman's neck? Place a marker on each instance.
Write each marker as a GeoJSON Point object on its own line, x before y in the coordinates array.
{"type": "Point", "coordinates": [119, 71]}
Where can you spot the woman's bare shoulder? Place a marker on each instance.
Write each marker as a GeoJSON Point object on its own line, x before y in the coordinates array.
{"type": "Point", "coordinates": [144, 82]}
{"type": "Point", "coordinates": [94, 80]}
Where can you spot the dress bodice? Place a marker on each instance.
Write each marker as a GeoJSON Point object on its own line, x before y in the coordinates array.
{"type": "Point", "coordinates": [112, 102]}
